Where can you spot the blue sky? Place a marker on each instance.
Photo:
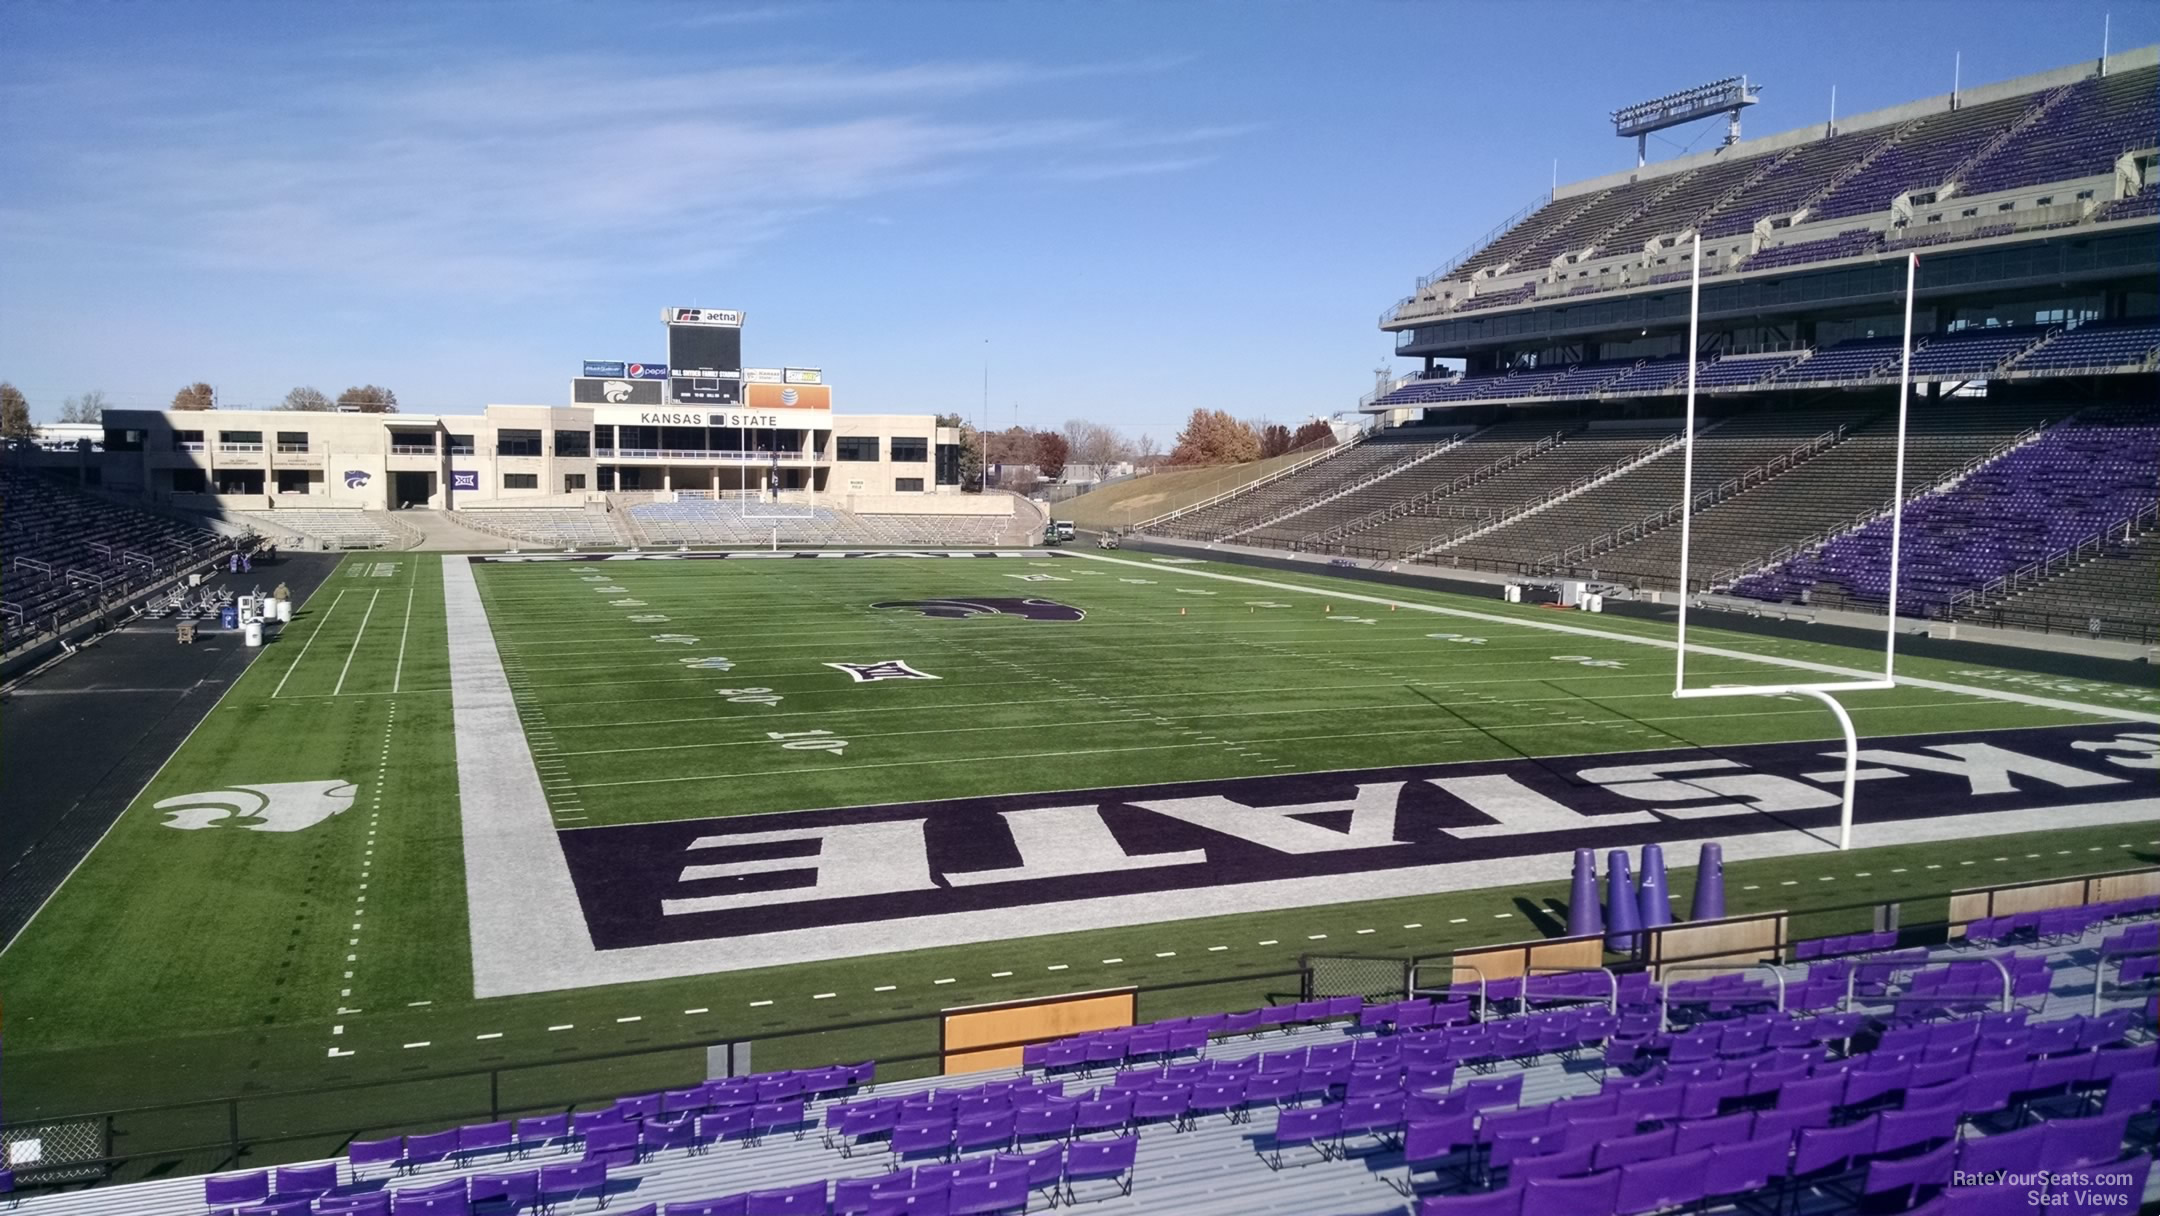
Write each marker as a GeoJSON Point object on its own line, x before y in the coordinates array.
{"type": "Point", "coordinates": [1133, 209]}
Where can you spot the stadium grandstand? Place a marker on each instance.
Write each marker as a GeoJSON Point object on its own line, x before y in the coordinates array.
{"type": "Point", "coordinates": [1555, 450]}
{"type": "Point", "coordinates": [688, 800]}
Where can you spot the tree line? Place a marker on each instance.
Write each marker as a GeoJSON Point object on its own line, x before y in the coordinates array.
{"type": "Point", "coordinates": [90, 407]}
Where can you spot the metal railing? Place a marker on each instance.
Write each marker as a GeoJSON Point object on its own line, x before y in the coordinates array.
{"type": "Point", "coordinates": [1629, 533]}
{"type": "Point", "coordinates": [1483, 982]}
{"type": "Point", "coordinates": [1665, 997]}
{"type": "Point", "coordinates": [2100, 971]}
{"type": "Point", "coordinates": [1329, 452]}
{"type": "Point", "coordinates": [713, 454]}
{"type": "Point", "coordinates": [1412, 505]}
{"type": "Point", "coordinates": [1343, 489]}
{"type": "Point", "coordinates": [1945, 481]}
{"type": "Point", "coordinates": [412, 449]}
{"type": "Point", "coordinates": [1612, 1000]}
{"type": "Point", "coordinates": [2055, 563]}
{"type": "Point", "coordinates": [1500, 518]}
{"type": "Point", "coordinates": [292, 449]}
{"type": "Point", "coordinates": [1852, 979]}
{"type": "Point", "coordinates": [237, 447]}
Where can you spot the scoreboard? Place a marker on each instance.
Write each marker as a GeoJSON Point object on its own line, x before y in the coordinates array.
{"type": "Point", "coordinates": [704, 355]}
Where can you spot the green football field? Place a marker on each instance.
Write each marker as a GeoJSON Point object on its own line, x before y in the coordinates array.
{"type": "Point", "coordinates": [178, 965]}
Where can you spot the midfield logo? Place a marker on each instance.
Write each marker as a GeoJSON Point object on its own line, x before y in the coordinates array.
{"type": "Point", "coordinates": [1181, 849]}
{"type": "Point", "coordinates": [960, 609]}
{"type": "Point", "coordinates": [884, 669]}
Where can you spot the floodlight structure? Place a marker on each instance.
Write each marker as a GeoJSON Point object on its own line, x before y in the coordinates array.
{"type": "Point", "coordinates": [1728, 97]}
{"type": "Point", "coordinates": [1822, 691]}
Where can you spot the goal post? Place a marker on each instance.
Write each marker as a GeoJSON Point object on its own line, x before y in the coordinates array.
{"type": "Point", "coordinates": [1823, 691]}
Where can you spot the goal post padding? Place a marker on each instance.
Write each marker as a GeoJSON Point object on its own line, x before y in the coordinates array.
{"type": "Point", "coordinates": [976, 1037]}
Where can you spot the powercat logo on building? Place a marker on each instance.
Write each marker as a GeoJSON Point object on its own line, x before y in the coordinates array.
{"type": "Point", "coordinates": [1165, 845]}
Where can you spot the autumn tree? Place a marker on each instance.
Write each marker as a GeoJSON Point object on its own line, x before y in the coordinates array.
{"type": "Point", "coordinates": [1274, 439]}
{"type": "Point", "coordinates": [306, 398]}
{"type": "Point", "coordinates": [1315, 432]}
{"type": "Point", "coordinates": [1214, 437]}
{"type": "Point", "coordinates": [971, 451]}
{"type": "Point", "coordinates": [1051, 452]}
{"type": "Point", "coordinates": [15, 414]}
{"type": "Point", "coordinates": [368, 399]}
{"type": "Point", "coordinates": [1092, 443]}
{"type": "Point", "coordinates": [196, 396]}
{"type": "Point", "coordinates": [90, 407]}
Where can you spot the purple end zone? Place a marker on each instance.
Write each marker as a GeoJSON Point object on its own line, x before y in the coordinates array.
{"type": "Point", "coordinates": [686, 880]}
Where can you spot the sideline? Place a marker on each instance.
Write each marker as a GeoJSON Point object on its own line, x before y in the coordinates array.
{"type": "Point", "coordinates": [1491, 618]}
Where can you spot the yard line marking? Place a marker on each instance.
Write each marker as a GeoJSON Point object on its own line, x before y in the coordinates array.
{"type": "Point", "coordinates": [759, 1004]}
{"type": "Point", "coordinates": [1056, 967]}
{"type": "Point", "coordinates": [1216, 949]}
{"type": "Point", "coordinates": [823, 996]}
{"type": "Point", "coordinates": [482, 1038]}
{"type": "Point", "coordinates": [1271, 942]}
{"type": "Point", "coordinates": [2107, 712]}
{"type": "Point", "coordinates": [694, 1012]}
{"type": "Point", "coordinates": [1109, 961]}
{"type": "Point", "coordinates": [312, 635]}
{"type": "Point", "coordinates": [632, 1018]}
{"type": "Point", "coordinates": [361, 633]}
{"type": "Point", "coordinates": [1414, 925]}
{"type": "Point", "coordinates": [947, 980]}
{"type": "Point", "coordinates": [998, 975]}
{"type": "Point", "coordinates": [564, 1026]}
{"type": "Point", "coordinates": [399, 678]}
{"type": "Point", "coordinates": [421, 1043]}
{"type": "Point", "coordinates": [884, 988]}
{"type": "Point", "coordinates": [1166, 954]}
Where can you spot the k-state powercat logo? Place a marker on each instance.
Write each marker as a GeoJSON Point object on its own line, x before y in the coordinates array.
{"type": "Point", "coordinates": [355, 478]}
{"type": "Point", "coordinates": [957, 609]}
{"type": "Point", "coordinates": [282, 806]}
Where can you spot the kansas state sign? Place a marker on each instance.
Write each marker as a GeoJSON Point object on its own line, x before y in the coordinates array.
{"type": "Point", "coordinates": [1367, 833]}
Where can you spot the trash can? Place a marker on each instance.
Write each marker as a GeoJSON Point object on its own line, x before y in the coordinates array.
{"type": "Point", "coordinates": [284, 611]}
{"type": "Point", "coordinates": [253, 634]}
{"type": "Point", "coordinates": [229, 616]}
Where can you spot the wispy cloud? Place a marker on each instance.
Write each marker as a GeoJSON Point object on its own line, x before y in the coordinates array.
{"type": "Point", "coordinates": [1100, 171]}
{"type": "Point", "coordinates": [531, 175]}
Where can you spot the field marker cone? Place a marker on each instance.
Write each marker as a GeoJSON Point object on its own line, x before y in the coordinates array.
{"type": "Point", "coordinates": [1620, 911]}
{"type": "Point", "coordinates": [1582, 910]}
{"type": "Point", "coordinates": [1709, 883]}
{"type": "Point", "coordinates": [1655, 900]}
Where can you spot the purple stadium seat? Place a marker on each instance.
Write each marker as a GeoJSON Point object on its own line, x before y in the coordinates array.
{"type": "Point", "coordinates": [1100, 1161]}
{"type": "Point", "coordinates": [305, 1181]}
{"type": "Point", "coordinates": [1588, 1195]}
{"type": "Point", "coordinates": [787, 1201]}
{"type": "Point", "coordinates": [234, 1189]}
{"type": "Point", "coordinates": [1648, 1185]}
{"type": "Point", "coordinates": [1315, 1128]}
{"type": "Point", "coordinates": [1488, 1203]}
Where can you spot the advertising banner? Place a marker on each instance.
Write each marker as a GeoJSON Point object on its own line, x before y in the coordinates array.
{"type": "Point", "coordinates": [465, 479]}
{"type": "Point", "coordinates": [804, 375]}
{"type": "Point", "coordinates": [616, 391]}
{"type": "Point", "coordinates": [729, 318]}
{"type": "Point", "coordinates": [646, 371]}
{"type": "Point", "coordinates": [789, 397]}
{"type": "Point", "coordinates": [603, 367]}
{"type": "Point", "coordinates": [761, 375]}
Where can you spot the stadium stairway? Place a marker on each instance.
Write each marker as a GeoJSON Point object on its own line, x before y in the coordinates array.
{"type": "Point", "coordinates": [451, 531]}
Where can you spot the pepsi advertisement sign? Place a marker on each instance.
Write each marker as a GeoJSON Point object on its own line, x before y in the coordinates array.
{"type": "Point", "coordinates": [642, 371]}
{"type": "Point", "coordinates": [464, 479]}
{"type": "Point", "coordinates": [603, 367]}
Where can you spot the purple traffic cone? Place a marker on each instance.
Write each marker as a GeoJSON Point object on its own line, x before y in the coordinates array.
{"type": "Point", "coordinates": [1709, 883]}
{"type": "Point", "coordinates": [1655, 901]}
{"type": "Point", "coordinates": [1583, 919]}
{"type": "Point", "coordinates": [1622, 918]}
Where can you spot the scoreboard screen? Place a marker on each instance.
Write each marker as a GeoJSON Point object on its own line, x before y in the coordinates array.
{"type": "Point", "coordinates": [694, 390]}
{"type": "Point", "coordinates": [701, 351]}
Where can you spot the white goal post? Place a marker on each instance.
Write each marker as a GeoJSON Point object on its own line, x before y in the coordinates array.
{"type": "Point", "coordinates": [1824, 691]}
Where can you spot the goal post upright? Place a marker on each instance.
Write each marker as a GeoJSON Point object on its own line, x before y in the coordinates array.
{"type": "Point", "coordinates": [1824, 691]}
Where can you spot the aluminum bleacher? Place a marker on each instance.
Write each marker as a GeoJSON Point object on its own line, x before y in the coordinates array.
{"type": "Point", "coordinates": [331, 529]}
{"type": "Point", "coordinates": [555, 527]}
{"type": "Point", "coordinates": [65, 554]}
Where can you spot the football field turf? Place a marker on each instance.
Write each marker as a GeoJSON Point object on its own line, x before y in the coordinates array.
{"type": "Point", "coordinates": [793, 792]}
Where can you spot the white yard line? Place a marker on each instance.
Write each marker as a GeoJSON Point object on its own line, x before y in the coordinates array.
{"type": "Point", "coordinates": [1992, 694]}
{"type": "Point", "coordinates": [398, 680]}
{"type": "Point", "coordinates": [360, 633]}
{"type": "Point", "coordinates": [312, 635]}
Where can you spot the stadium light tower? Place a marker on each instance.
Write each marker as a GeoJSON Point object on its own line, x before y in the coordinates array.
{"type": "Point", "coordinates": [1728, 97]}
